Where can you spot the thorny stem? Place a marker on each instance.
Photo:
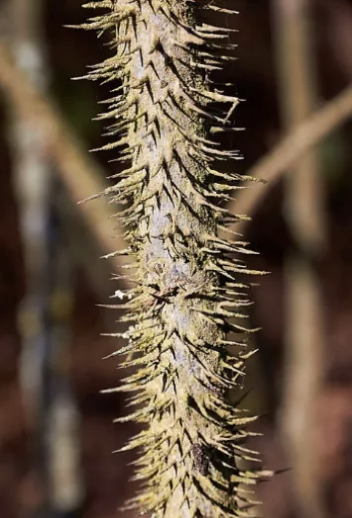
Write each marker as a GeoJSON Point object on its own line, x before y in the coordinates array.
{"type": "Point", "coordinates": [190, 296]}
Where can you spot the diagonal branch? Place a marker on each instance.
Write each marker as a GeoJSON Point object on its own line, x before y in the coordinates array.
{"type": "Point", "coordinates": [291, 148]}
{"type": "Point", "coordinates": [78, 172]}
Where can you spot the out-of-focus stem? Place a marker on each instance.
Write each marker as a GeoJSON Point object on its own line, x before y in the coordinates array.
{"type": "Point", "coordinates": [304, 212]}
{"type": "Point", "coordinates": [44, 314]}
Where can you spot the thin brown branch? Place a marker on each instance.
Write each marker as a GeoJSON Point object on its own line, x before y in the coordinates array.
{"type": "Point", "coordinates": [291, 148]}
{"type": "Point", "coordinates": [78, 172]}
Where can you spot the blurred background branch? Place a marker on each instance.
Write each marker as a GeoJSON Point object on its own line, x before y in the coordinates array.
{"type": "Point", "coordinates": [292, 147]}
{"type": "Point", "coordinates": [44, 313]}
{"type": "Point", "coordinates": [304, 211]}
{"type": "Point", "coordinates": [79, 174]}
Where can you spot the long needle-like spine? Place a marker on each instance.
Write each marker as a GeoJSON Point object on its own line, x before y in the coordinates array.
{"type": "Point", "coordinates": [191, 295]}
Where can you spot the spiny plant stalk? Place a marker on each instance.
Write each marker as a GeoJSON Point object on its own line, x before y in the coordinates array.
{"type": "Point", "coordinates": [189, 298]}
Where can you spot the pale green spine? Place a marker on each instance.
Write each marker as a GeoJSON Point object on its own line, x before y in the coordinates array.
{"type": "Point", "coordinates": [189, 300]}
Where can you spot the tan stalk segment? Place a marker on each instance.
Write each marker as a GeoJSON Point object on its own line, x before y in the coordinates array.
{"type": "Point", "coordinates": [190, 296]}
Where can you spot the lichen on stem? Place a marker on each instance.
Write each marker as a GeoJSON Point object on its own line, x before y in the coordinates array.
{"type": "Point", "coordinates": [190, 297]}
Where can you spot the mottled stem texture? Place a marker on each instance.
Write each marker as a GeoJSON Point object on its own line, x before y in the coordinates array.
{"type": "Point", "coordinates": [186, 306]}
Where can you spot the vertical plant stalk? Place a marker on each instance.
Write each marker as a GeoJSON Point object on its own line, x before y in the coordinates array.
{"type": "Point", "coordinates": [190, 297]}
{"type": "Point", "coordinates": [304, 212]}
{"type": "Point", "coordinates": [44, 316]}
